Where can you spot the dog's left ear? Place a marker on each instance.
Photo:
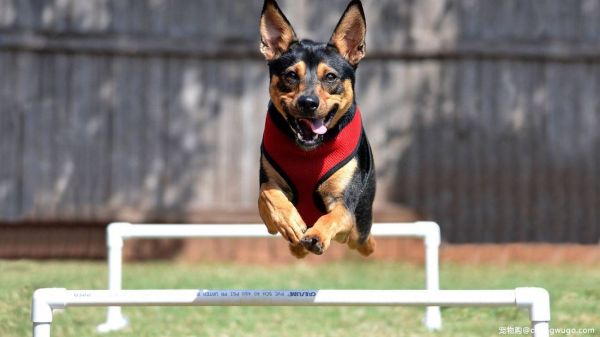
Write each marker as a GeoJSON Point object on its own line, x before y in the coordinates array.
{"type": "Point", "coordinates": [349, 34]}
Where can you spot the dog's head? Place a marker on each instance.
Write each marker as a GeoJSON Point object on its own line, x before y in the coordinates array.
{"type": "Point", "coordinates": [312, 84]}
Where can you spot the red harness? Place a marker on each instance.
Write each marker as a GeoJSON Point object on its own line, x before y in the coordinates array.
{"type": "Point", "coordinates": [303, 170]}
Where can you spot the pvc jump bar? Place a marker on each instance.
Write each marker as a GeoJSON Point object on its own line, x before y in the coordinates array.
{"type": "Point", "coordinates": [536, 300]}
{"type": "Point", "coordinates": [118, 232]}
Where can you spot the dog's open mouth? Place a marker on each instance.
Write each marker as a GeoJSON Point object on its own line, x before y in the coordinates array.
{"type": "Point", "coordinates": [309, 131]}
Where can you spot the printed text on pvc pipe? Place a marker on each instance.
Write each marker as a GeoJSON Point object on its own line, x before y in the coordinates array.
{"type": "Point", "coordinates": [257, 293]}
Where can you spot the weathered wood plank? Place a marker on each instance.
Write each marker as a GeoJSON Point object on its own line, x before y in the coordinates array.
{"type": "Point", "coordinates": [445, 127]}
{"type": "Point", "coordinates": [75, 178]}
{"type": "Point", "coordinates": [130, 153]}
{"type": "Point", "coordinates": [504, 140]}
{"type": "Point", "coordinates": [39, 153]}
{"type": "Point", "coordinates": [571, 124]}
{"type": "Point", "coordinates": [594, 192]}
{"type": "Point", "coordinates": [541, 207]}
{"type": "Point", "coordinates": [28, 101]}
{"type": "Point", "coordinates": [120, 12]}
{"type": "Point", "coordinates": [8, 13]}
{"type": "Point", "coordinates": [90, 16]}
{"type": "Point", "coordinates": [55, 16]}
{"type": "Point", "coordinates": [251, 114]}
{"type": "Point", "coordinates": [96, 151]}
{"type": "Point", "coordinates": [25, 14]}
{"type": "Point", "coordinates": [153, 131]}
{"type": "Point", "coordinates": [589, 103]}
{"type": "Point", "coordinates": [428, 22]}
{"type": "Point", "coordinates": [58, 78]}
{"type": "Point", "coordinates": [565, 51]}
{"type": "Point", "coordinates": [11, 138]}
{"type": "Point", "coordinates": [193, 108]}
{"type": "Point", "coordinates": [466, 99]}
{"type": "Point", "coordinates": [523, 149]}
{"type": "Point", "coordinates": [157, 16]}
{"type": "Point", "coordinates": [529, 176]}
{"type": "Point", "coordinates": [429, 92]}
{"type": "Point", "coordinates": [557, 148]}
{"type": "Point", "coordinates": [584, 129]}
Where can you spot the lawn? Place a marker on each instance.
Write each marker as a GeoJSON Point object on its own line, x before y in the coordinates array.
{"type": "Point", "coordinates": [575, 293]}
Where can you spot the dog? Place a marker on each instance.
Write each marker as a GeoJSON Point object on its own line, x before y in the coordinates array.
{"type": "Point", "coordinates": [317, 176]}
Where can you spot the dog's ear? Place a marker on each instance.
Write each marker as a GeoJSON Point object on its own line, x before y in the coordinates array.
{"type": "Point", "coordinates": [349, 34]}
{"type": "Point", "coordinates": [276, 32]}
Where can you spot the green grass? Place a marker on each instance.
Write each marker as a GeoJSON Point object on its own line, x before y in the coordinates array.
{"type": "Point", "coordinates": [575, 292]}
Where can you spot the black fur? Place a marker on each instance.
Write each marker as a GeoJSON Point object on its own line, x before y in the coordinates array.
{"type": "Point", "coordinates": [360, 192]}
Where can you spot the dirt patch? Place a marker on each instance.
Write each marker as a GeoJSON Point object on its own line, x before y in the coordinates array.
{"type": "Point", "coordinates": [275, 251]}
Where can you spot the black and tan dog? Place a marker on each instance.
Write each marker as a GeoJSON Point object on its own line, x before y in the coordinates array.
{"type": "Point", "coordinates": [317, 179]}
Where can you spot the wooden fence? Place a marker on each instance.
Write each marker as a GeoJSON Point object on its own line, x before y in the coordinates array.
{"type": "Point", "coordinates": [483, 115]}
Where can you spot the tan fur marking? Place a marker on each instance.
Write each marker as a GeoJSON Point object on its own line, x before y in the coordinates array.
{"type": "Point", "coordinates": [281, 99]}
{"type": "Point", "coordinates": [300, 69]}
{"type": "Point", "coordinates": [365, 248]}
{"type": "Point", "coordinates": [333, 188]}
{"type": "Point", "coordinates": [323, 69]}
{"type": "Point", "coordinates": [344, 101]}
{"type": "Point", "coordinates": [276, 95]}
{"type": "Point", "coordinates": [274, 177]}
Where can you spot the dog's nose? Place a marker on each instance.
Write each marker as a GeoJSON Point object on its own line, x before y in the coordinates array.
{"type": "Point", "coordinates": [308, 103]}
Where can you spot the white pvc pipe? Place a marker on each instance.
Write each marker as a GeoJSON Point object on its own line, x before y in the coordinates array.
{"type": "Point", "coordinates": [536, 300]}
{"type": "Point", "coordinates": [114, 317]}
{"type": "Point", "coordinates": [433, 315]}
{"type": "Point", "coordinates": [305, 297]}
{"type": "Point", "coordinates": [126, 230]}
{"type": "Point", "coordinates": [540, 328]}
{"type": "Point", "coordinates": [117, 232]}
{"type": "Point", "coordinates": [41, 329]}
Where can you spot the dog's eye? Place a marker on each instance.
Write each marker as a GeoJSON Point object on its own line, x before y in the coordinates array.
{"type": "Point", "coordinates": [330, 77]}
{"type": "Point", "coordinates": [291, 76]}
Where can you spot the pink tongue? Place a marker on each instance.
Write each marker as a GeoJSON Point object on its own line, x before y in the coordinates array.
{"type": "Point", "coordinates": [317, 126]}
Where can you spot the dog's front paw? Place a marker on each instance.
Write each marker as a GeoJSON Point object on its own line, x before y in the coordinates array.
{"type": "Point", "coordinates": [288, 223]}
{"type": "Point", "coordinates": [314, 242]}
{"type": "Point", "coordinates": [298, 250]}
{"type": "Point", "coordinates": [365, 248]}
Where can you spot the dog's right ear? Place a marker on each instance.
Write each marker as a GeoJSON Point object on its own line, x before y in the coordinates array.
{"type": "Point", "coordinates": [349, 35]}
{"type": "Point", "coordinates": [276, 32]}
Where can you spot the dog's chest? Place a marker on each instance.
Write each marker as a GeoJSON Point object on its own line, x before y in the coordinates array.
{"type": "Point", "coordinates": [304, 171]}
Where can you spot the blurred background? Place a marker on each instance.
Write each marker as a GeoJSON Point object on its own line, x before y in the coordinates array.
{"type": "Point", "coordinates": [484, 116]}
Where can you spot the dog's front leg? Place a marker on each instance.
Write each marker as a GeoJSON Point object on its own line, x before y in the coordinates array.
{"type": "Point", "coordinates": [337, 223]}
{"type": "Point", "coordinates": [280, 216]}
{"type": "Point", "coordinates": [339, 220]}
